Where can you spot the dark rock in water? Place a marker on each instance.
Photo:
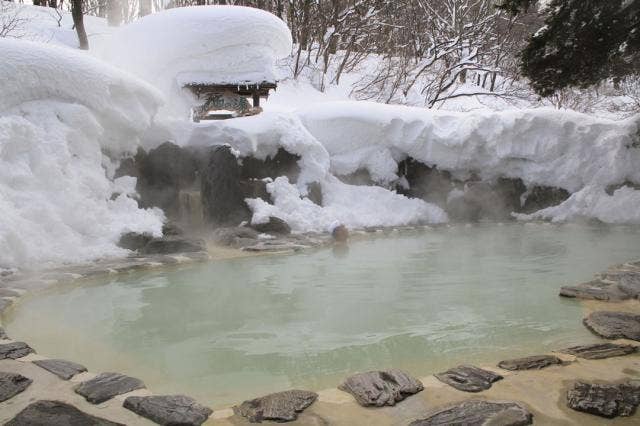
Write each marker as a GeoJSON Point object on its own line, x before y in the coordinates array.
{"type": "Point", "coordinates": [614, 325]}
{"type": "Point", "coordinates": [12, 384]}
{"type": "Point", "coordinates": [275, 225]}
{"type": "Point", "coordinates": [281, 406]}
{"type": "Point", "coordinates": [479, 413]}
{"type": "Point", "coordinates": [222, 196]}
{"type": "Point", "coordinates": [426, 183]}
{"type": "Point", "coordinates": [534, 362]}
{"type": "Point", "coordinates": [596, 290]}
{"type": "Point", "coordinates": [380, 388]}
{"type": "Point", "coordinates": [604, 400]}
{"type": "Point", "coordinates": [55, 413]}
{"type": "Point", "coordinates": [255, 188]}
{"type": "Point", "coordinates": [172, 245]}
{"type": "Point", "coordinates": [469, 378]}
{"type": "Point", "coordinates": [314, 193]}
{"type": "Point", "coordinates": [169, 409]}
{"type": "Point", "coordinates": [107, 385]}
{"type": "Point", "coordinates": [541, 197]}
{"type": "Point", "coordinates": [235, 236]}
{"type": "Point", "coordinates": [600, 350]}
{"type": "Point", "coordinates": [134, 241]}
{"type": "Point", "coordinates": [15, 350]}
{"type": "Point", "coordinates": [281, 164]}
{"type": "Point", "coordinates": [61, 368]}
{"type": "Point", "coordinates": [162, 173]}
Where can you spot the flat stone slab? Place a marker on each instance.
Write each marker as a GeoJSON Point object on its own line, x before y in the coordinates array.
{"type": "Point", "coordinates": [107, 385]}
{"type": "Point", "coordinates": [469, 378]}
{"type": "Point", "coordinates": [169, 409]}
{"type": "Point", "coordinates": [605, 400]}
{"type": "Point", "coordinates": [55, 413]}
{"type": "Point", "coordinates": [478, 412]}
{"type": "Point", "coordinates": [281, 406]}
{"type": "Point", "coordinates": [60, 367]}
{"type": "Point", "coordinates": [15, 350]}
{"type": "Point", "coordinates": [614, 325]}
{"type": "Point", "coordinates": [600, 350]}
{"type": "Point", "coordinates": [595, 290]}
{"type": "Point", "coordinates": [12, 384]}
{"type": "Point", "coordinates": [535, 362]}
{"type": "Point", "coordinates": [380, 388]}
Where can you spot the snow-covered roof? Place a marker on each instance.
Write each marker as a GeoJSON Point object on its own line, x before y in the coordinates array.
{"type": "Point", "coordinates": [202, 45]}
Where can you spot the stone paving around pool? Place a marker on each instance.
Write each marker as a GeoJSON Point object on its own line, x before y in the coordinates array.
{"type": "Point", "coordinates": [576, 385]}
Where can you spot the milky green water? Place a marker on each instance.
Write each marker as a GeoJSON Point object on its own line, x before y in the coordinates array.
{"type": "Point", "coordinates": [228, 330]}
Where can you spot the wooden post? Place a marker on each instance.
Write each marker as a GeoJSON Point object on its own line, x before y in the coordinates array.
{"type": "Point", "coordinates": [256, 98]}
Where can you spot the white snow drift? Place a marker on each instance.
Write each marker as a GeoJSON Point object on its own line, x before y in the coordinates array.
{"type": "Point", "coordinates": [60, 110]}
{"type": "Point", "coordinates": [201, 44]}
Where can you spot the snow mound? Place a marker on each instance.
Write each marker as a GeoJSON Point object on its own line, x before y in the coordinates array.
{"type": "Point", "coordinates": [542, 146]}
{"type": "Point", "coordinates": [201, 44]}
{"type": "Point", "coordinates": [351, 205]}
{"type": "Point", "coordinates": [61, 111]}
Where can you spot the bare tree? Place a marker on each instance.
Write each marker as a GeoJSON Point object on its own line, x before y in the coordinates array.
{"type": "Point", "coordinates": [78, 22]}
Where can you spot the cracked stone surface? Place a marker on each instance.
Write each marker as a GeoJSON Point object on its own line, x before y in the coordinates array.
{"type": "Point", "coordinates": [15, 350]}
{"type": "Point", "coordinates": [534, 362]}
{"type": "Point", "coordinates": [12, 384]}
{"type": "Point", "coordinates": [600, 350]}
{"type": "Point", "coordinates": [596, 290]}
{"type": "Point", "coordinates": [61, 368]}
{"type": "Point", "coordinates": [614, 325]}
{"type": "Point", "coordinates": [280, 406]}
{"type": "Point", "coordinates": [380, 388]}
{"type": "Point", "coordinates": [55, 413]}
{"type": "Point", "coordinates": [469, 378]}
{"type": "Point", "coordinates": [605, 400]}
{"type": "Point", "coordinates": [107, 385]}
{"type": "Point", "coordinates": [169, 409]}
{"type": "Point", "coordinates": [478, 412]}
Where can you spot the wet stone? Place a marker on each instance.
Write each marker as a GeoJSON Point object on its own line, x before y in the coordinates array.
{"type": "Point", "coordinates": [274, 225]}
{"type": "Point", "coordinates": [614, 325]}
{"type": "Point", "coordinates": [61, 368]}
{"type": "Point", "coordinates": [380, 388]}
{"type": "Point", "coordinates": [12, 384]}
{"type": "Point", "coordinates": [55, 413]}
{"type": "Point", "coordinates": [107, 385]}
{"type": "Point", "coordinates": [469, 378]}
{"type": "Point", "coordinates": [605, 400]}
{"type": "Point", "coordinates": [595, 290]}
{"type": "Point", "coordinates": [600, 350]}
{"type": "Point", "coordinates": [534, 362]}
{"type": "Point", "coordinates": [170, 245]}
{"type": "Point", "coordinates": [281, 406]}
{"type": "Point", "coordinates": [477, 412]}
{"type": "Point", "coordinates": [15, 350]}
{"type": "Point", "coordinates": [169, 409]}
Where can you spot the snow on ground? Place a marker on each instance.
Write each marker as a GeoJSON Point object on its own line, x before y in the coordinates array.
{"type": "Point", "coordinates": [60, 111]}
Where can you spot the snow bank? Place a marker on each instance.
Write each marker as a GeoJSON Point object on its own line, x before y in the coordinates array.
{"type": "Point", "coordinates": [542, 146]}
{"type": "Point", "coordinates": [201, 44]}
{"type": "Point", "coordinates": [60, 111]}
{"type": "Point", "coordinates": [351, 205]}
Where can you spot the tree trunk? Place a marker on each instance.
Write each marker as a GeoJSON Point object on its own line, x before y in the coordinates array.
{"type": "Point", "coordinates": [145, 8]}
{"type": "Point", "coordinates": [78, 22]}
{"type": "Point", "coordinates": [114, 13]}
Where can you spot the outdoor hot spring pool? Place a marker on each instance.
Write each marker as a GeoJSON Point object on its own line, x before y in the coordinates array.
{"type": "Point", "coordinates": [228, 330]}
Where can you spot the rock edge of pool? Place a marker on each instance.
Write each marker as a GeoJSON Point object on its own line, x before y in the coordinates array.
{"type": "Point", "coordinates": [584, 384]}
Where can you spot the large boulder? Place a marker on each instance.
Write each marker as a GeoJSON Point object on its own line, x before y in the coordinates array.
{"type": "Point", "coordinates": [469, 378]}
{"type": "Point", "coordinates": [222, 195]}
{"type": "Point", "coordinates": [274, 225]}
{"type": "Point", "coordinates": [614, 325]}
{"type": "Point", "coordinates": [280, 407]}
{"type": "Point", "coordinates": [605, 400]}
{"type": "Point", "coordinates": [168, 409]}
{"type": "Point", "coordinates": [56, 413]}
{"type": "Point", "coordinates": [283, 163]}
{"type": "Point", "coordinates": [424, 182]}
{"type": "Point", "coordinates": [541, 197]}
{"type": "Point", "coordinates": [479, 413]}
{"type": "Point", "coordinates": [380, 388]}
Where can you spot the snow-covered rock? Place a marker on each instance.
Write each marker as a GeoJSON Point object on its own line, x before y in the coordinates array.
{"type": "Point", "coordinates": [60, 112]}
